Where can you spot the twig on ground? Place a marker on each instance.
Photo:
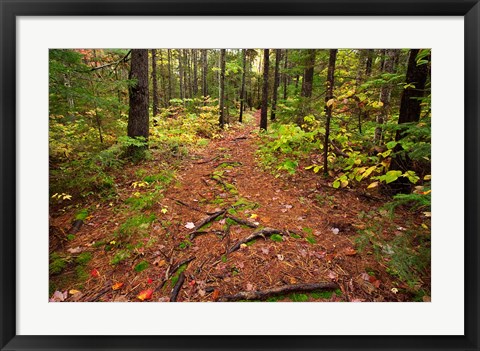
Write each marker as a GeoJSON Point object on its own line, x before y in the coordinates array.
{"type": "Point", "coordinates": [206, 161]}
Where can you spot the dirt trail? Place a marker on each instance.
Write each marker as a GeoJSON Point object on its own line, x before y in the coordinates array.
{"type": "Point", "coordinates": [304, 240]}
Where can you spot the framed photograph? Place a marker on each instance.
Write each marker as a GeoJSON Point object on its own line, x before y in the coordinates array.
{"type": "Point", "coordinates": [272, 168]}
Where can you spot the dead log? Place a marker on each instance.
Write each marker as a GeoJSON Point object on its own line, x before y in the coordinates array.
{"type": "Point", "coordinates": [263, 294]}
{"type": "Point", "coordinates": [178, 286]}
{"type": "Point", "coordinates": [242, 221]}
{"type": "Point", "coordinates": [259, 233]}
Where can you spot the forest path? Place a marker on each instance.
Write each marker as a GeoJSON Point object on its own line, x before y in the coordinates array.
{"type": "Point", "coordinates": [225, 230]}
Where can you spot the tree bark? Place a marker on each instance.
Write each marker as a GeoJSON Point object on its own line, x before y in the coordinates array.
{"type": "Point", "coordinates": [263, 115]}
{"type": "Point", "coordinates": [368, 64]}
{"type": "Point", "coordinates": [221, 120]}
{"type": "Point", "coordinates": [276, 82]}
{"type": "Point", "coordinates": [204, 73]}
{"type": "Point", "coordinates": [195, 75]}
{"type": "Point", "coordinates": [242, 91]}
{"type": "Point", "coordinates": [329, 105]}
{"type": "Point", "coordinates": [308, 76]}
{"type": "Point", "coordinates": [180, 72]}
{"type": "Point", "coordinates": [154, 83]}
{"type": "Point", "coordinates": [285, 76]}
{"type": "Point", "coordinates": [169, 54]}
{"type": "Point", "coordinates": [138, 96]}
{"type": "Point", "coordinates": [385, 93]}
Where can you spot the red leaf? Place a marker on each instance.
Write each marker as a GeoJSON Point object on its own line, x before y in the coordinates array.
{"type": "Point", "coordinates": [149, 281]}
{"type": "Point", "coordinates": [350, 252]}
{"type": "Point", "coordinates": [117, 286]}
{"type": "Point", "coordinates": [215, 294]}
{"type": "Point", "coordinates": [94, 273]}
{"type": "Point", "coordinates": [145, 294]}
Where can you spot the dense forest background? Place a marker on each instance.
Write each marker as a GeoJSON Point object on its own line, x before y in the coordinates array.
{"type": "Point", "coordinates": [340, 138]}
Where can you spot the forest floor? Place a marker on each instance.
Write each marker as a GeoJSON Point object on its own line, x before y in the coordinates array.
{"type": "Point", "coordinates": [227, 230]}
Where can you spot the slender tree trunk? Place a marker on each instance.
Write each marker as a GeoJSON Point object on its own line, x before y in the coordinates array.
{"type": "Point", "coordinates": [169, 54]}
{"type": "Point", "coordinates": [385, 93]}
{"type": "Point", "coordinates": [263, 115]}
{"type": "Point", "coordinates": [188, 60]}
{"type": "Point", "coordinates": [186, 69]}
{"type": "Point", "coordinates": [308, 76]}
{"type": "Point", "coordinates": [276, 81]}
{"type": "Point", "coordinates": [204, 73]}
{"type": "Point", "coordinates": [154, 83]}
{"type": "Point", "coordinates": [138, 112]}
{"type": "Point", "coordinates": [329, 105]}
{"type": "Point", "coordinates": [221, 120]}
{"type": "Point", "coordinates": [242, 91]}
{"type": "Point", "coordinates": [180, 72]}
{"type": "Point", "coordinates": [368, 64]}
{"type": "Point", "coordinates": [195, 75]}
{"type": "Point", "coordinates": [285, 76]}
{"type": "Point", "coordinates": [163, 80]}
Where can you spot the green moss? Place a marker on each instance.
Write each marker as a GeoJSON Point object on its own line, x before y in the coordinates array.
{"type": "Point", "coordinates": [84, 258]}
{"type": "Point", "coordinates": [141, 266]}
{"type": "Point", "coordinates": [57, 264]}
{"type": "Point", "coordinates": [82, 273]}
{"type": "Point", "coordinates": [276, 237]}
{"type": "Point", "coordinates": [298, 297]}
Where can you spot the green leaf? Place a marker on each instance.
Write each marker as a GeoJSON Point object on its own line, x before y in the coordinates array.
{"type": "Point", "coordinates": [336, 184]}
{"type": "Point", "coordinates": [368, 171]}
{"type": "Point", "coordinates": [372, 185]}
{"type": "Point", "coordinates": [391, 144]}
{"type": "Point", "coordinates": [141, 266]}
{"type": "Point", "coordinates": [392, 176]}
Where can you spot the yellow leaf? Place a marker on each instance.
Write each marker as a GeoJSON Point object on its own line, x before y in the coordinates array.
{"type": "Point", "coordinates": [373, 185]}
{"type": "Point", "coordinates": [424, 226]}
{"type": "Point", "coordinates": [73, 292]}
{"type": "Point", "coordinates": [253, 216]}
{"type": "Point", "coordinates": [67, 197]}
{"type": "Point", "coordinates": [113, 242]}
{"type": "Point", "coordinates": [117, 286]}
{"type": "Point", "coordinates": [427, 214]}
{"type": "Point", "coordinates": [427, 177]}
{"type": "Point", "coordinates": [330, 102]}
{"type": "Point", "coordinates": [164, 210]}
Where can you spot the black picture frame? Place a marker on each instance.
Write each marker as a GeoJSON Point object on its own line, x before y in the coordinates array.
{"type": "Point", "coordinates": [9, 340]}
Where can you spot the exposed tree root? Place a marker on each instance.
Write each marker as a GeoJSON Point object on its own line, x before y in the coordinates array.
{"type": "Point", "coordinates": [234, 163]}
{"type": "Point", "coordinates": [172, 270]}
{"type": "Point", "coordinates": [201, 232]}
{"type": "Point", "coordinates": [177, 287]}
{"type": "Point", "coordinates": [180, 202]}
{"type": "Point", "coordinates": [204, 221]}
{"type": "Point", "coordinates": [259, 233]}
{"type": "Point", "coordinates": [206, 161]}
{"type": "Point", "coordinates": [242, 221]}
{"type": "Point", "coordinates": [263, 294]}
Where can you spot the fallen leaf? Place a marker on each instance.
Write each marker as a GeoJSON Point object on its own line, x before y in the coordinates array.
{"type": "Point", "coordinates": [250, 287]}
{"type": "Point", "coordinates": [335, 231]}
{"type": "Point", "coordinates": [58, 296]}
{"type": "Point", "coordinates": [94, 273]}
{"type": "Point", "coordinates": [164, 299]}
{"type": "Point", "coordinates": [201, 292]}
{"type": "Point", "coordinates": [191, 283]}
{"type": "Point", "coordinates": [288, 206]}
{"type": "Point", "coordinates": [365, 276]}
{"type": "Point", "coordinates": [253, 216]}
{"type": "Point", "coordinates": [243, 246]}
{"type": "Point", "coordinates": [149, 281]}
{"type": "Point", "coordinates": [332, 275]}
{"type": "Point", "coordinates": [427, 214]}
{"type": "Point", "coordinates": [117, 286]}
{"type": "Point", "coordinates": [159, 262]}
{"type": "Point", "coordinates": [190, 225]}
{"type": "Point", "coordinates": [280, 257]}
{"type": "Point", "coordinates": [394, 290]}
{"type": "Point", "coordinates": [376, 283]}
{"type": "Point", "coordinates": [350, 252]}
{"type": "Point", "coordinates": [145, 294]}
{"type": "Point", "coordinates": [75, 250]}
{"type": "Point", "coordinates": [357, 300]}
{"type": "Point", "coordinates": [215, 294]}
{"type": "Point", "coordinates": [164, 210]}
{"type": "Point", "coordinates": [73, 291]}
{"type": "Point", "coordinates": [426, 298]}
{"type": "Point", "coordinates": [265, 250]}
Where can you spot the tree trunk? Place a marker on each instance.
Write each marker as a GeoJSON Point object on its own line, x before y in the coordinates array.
{"type": "Point", "coordinates": [154, 83]}
{"type": "Point", "coordinates": [242, 91]}
{"type": "Point", "coordinates": [308, 76]}
{"type": "Point", "coordinates": [138, 97]}
{"type": "Point", "coordinates": [188, 60]}
{"type": "Point", "coordinates": [285, 76]}
{"type": "Point", "coordinates": [204, 73]}
{"type": "Point", "coordinates": [263, 115]}
{"type": "Point", "coordinates": [195, 76]}
{"type": "Point", "coordinates": [169, 54]}
{"type": "Point", "coordinates": [276, 82]}
{"type": "Point", "coordinates": [221, 120]}
{"type": "Point", "coordinates": [180, 73]}
{"type": "Point", "coordinates": [368, 64]}
{"type": "Point", "coordinates": [329, 105]}
{"type": "Point", "coordinates": [385, 93]}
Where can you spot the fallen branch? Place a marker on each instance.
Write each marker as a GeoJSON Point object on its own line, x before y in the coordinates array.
{"type": "Point", "coordinates": [206, 161]}
{"type": "Point", "coordinates": [200, 232]}
{"type": "Point", "coordinates": [239, 138]}
{"type": "Point", "coordinates": [178, 286]}
{"type": "Point", "coordinates": [259, 233]}
{"type": "Point", "coordinates": [263, 294]}
{"type": "Point", "coordinates": [209, 219]}
{"type": "Point", "coordinates": [242, 221]}
{"type": "Point", "coordinates": [180, 202]}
